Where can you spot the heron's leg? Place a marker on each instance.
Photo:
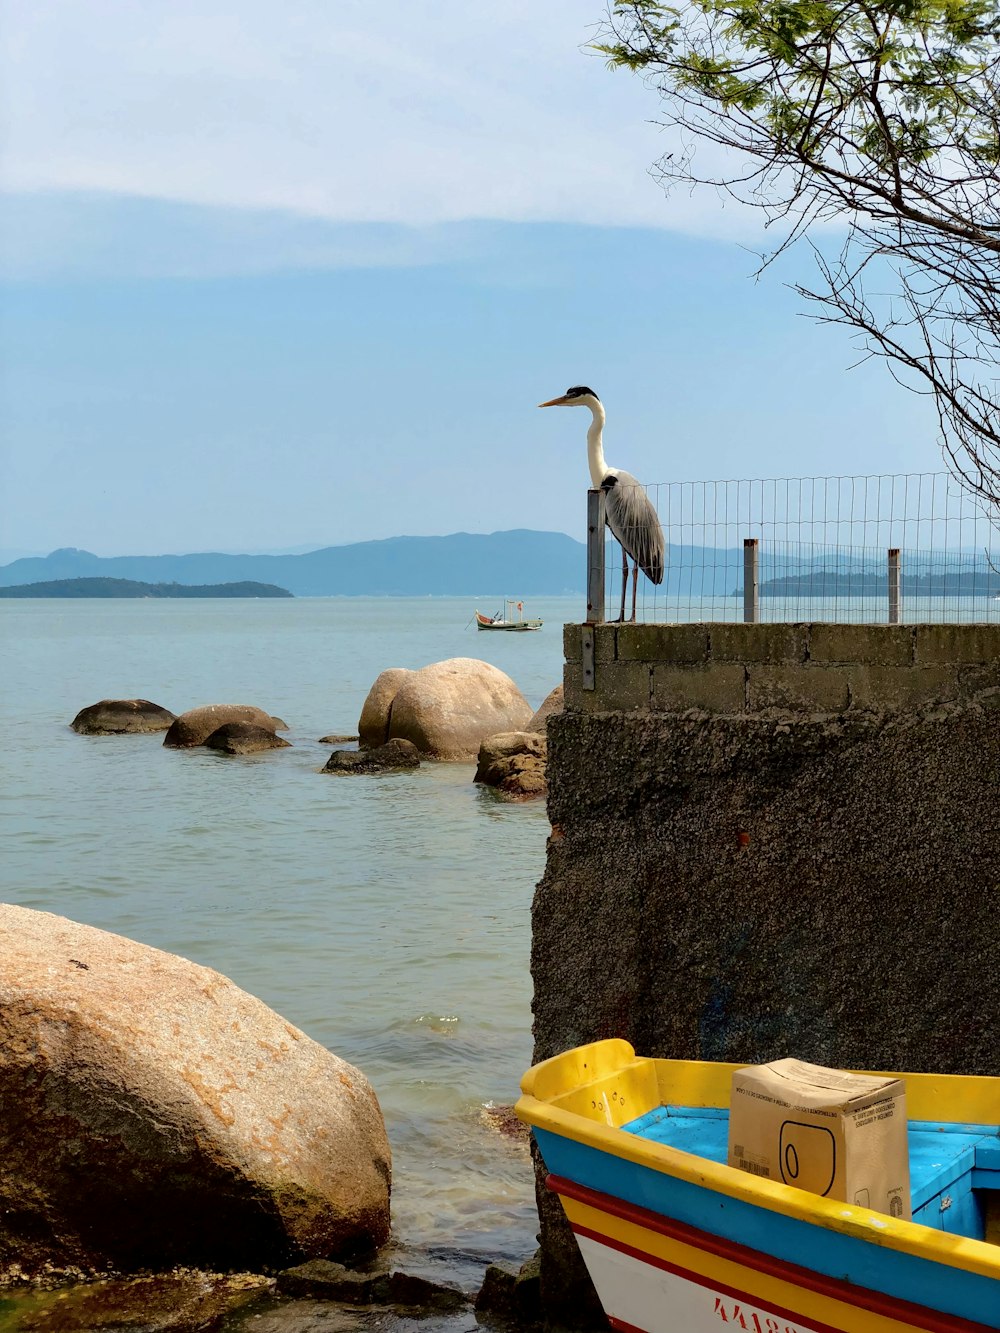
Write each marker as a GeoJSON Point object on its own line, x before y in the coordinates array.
{"type": "Point", "coordinates": [635, 581]}
{"type": "Point", "coordinates": [621, 614]}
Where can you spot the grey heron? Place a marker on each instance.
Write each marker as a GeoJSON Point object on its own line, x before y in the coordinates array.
{"type": "Point", "coordinates": [630, 513]}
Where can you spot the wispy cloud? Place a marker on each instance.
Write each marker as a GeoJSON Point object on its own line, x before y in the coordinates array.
{"type": "Point", "coordinates": [407, 113]}
{"type": "Point", "coordinates": [64, 234]}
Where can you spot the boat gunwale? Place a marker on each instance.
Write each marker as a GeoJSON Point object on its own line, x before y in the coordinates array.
{"type": "Point", "coordinates": [616, 1056]}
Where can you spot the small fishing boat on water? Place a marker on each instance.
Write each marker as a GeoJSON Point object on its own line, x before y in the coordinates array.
{"type": "Point", "coordinates": [676, 1241]}
{"type": "Point", "coordinates": [510, 618]}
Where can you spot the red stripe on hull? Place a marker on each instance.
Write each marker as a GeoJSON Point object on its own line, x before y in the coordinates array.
{"type": "Point", "coordinates": [919, 1316]}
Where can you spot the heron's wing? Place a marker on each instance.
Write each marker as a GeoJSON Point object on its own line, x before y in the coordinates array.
{"type": "Point", "coordinates": [634, 521]}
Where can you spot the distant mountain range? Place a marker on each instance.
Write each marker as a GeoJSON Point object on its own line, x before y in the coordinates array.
{"type": "Point", "coordinates": [521, 563]}
{"type": "Point", "coordinates": [130, 588]}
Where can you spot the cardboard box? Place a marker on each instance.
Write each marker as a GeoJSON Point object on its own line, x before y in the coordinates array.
{"type": "Point", "coordinates": [833, 1133]}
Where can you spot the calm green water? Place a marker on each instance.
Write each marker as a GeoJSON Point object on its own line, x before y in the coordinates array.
{"type": "Point", "coordinates": [387, 917]}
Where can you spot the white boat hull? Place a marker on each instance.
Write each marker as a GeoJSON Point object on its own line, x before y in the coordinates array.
{"type": "Point", "coordinates": [639, 1297]}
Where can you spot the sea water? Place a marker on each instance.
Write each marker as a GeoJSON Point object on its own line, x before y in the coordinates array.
{"type": "Point", "coordinates": [386, 916]}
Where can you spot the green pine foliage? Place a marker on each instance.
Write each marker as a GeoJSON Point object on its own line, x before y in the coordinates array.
{"type": "Point", "coordinates": [883, 119]}
{"type": "Point", "coordinates": [879, 89]}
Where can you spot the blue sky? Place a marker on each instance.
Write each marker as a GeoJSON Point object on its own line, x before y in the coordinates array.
{"type": "Point", "coordinates": [288, 275]}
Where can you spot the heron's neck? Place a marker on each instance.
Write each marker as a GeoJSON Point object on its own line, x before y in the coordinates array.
{"type": "Point", "coordinates": [595, 447]}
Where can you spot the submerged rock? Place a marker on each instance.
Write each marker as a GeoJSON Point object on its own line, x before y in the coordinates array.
{"type": "Point", "coordinates": [119, 717]}
{"type": "Point", "coordinates": [197, 724]}
{"type": "Point", "coordinates": [304, 1316]}
{"type": "Point", "coordinates": [325, 1280]}
{"type": "Point", "coordinates": [504, 1121]}
{"type": "Point", "coordinates": [172, 1303]}
{"type": "Point", "coordinates": [377, 1285]}
{"type": "Point", "coordinates": [244, 738]}
{"type": "Point", "coordinates": [383, 759]}
{"type": "Point", "coordinates": [447, 709]}
{"type": "Point", "coordinates": [153, 1114]}
{"type": "Point", "coordinates": [421, 1293]}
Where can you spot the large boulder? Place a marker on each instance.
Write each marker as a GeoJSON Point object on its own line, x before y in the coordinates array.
{"type": "Point", "coordinates": [449, 708]}
{"type": "Point", "coordinates": [244, 738]}
{"type": "Point", "coordinates": [118, 717]}
{"type": "Point", "coordinates": [514, 762]}
{"type": "Point", "coordinates": [373, 726]}
{"type": "Point", "coordinates": [385, 758]}
{"type": "Point", "coordinates": [196, 725]}
{"type": "Point", "coordinates": [552, 703]}
{"type": "Point", "coordinates": [152, 1114]}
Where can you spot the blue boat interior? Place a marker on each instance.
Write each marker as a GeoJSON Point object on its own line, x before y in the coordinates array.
{"type": "Point", "coordinates": [954, 1169]}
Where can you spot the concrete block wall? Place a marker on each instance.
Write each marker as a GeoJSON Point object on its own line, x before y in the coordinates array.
{"type": "Point", "coordinates": [770, 840]}
{"type": "Point", "coordinates": [746, 669]}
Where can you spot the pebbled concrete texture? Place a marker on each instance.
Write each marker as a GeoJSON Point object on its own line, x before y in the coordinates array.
{"type": "Point", "coordinates": [815, 874]}
{"type": "Point", "coordinates": [741, 888]}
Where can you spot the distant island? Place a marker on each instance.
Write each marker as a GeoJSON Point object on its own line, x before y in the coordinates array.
{"type": "Point", "coordinates": [518, 563]}
{"type": "Point", "coordinates": [831, 583]}
{"type": "Point", "coordinates": [102, 587]}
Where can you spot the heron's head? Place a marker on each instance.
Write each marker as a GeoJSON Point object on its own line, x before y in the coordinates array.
{"type": "Point", "coordinates": [578, 396]}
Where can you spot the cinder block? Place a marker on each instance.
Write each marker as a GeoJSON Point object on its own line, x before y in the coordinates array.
{"type": "Point", "coordinates": [663, 643]}
{"type": "Point", "coordinates": [605, 649]}
{"type": "Point", "coordinates": [758, 643]}
{"type": "Point", "coordinates": [891, 689]}
{"type": "Point", "coordinates": [715, 687]}
{"type": "Point", "coordinates": [622, 687]}
{"type": "Point", "coordinates": [961, 644]}
{"type": "Point", "coordinates": [883, 645]}
{"type": "Point", "coordinates": [573, 687]}
{"type": "Point", "coordinates": [798, 689]}
{"type": "Point", "coordinates": [605, 642]}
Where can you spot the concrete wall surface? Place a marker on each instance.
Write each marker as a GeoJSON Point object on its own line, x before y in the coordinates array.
{"type": "Point", "coordinates": [791, 848]}
{"type": "Point", "coordinates": [760, 668]}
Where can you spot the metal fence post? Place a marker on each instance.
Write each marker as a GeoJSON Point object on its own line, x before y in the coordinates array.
{"type": "Point", "coordinates": [751, 585]}
{"type": "Point", "coordinates": [894, 585]}
{"type": "Point", "coordinates": [595, 557]}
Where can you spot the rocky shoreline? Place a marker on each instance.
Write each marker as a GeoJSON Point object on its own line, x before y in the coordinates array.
{"type": "Point", "coordinates": [316, 1297]}
{"type": "Point", "coordinates": [169, 1162]}
{"type": "Point", "coordinates": [165, 1139]}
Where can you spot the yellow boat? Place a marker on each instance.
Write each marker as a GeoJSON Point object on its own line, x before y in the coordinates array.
{"type": "Point", "coordinates": [676, 1241]}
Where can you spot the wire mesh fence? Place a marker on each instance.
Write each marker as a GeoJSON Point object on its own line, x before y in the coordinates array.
{"type": "Point", "coordinates": [814, 549]}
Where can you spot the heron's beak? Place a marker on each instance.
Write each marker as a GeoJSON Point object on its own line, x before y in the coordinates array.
{"type": "Point", "coordinates": [555, 402]}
